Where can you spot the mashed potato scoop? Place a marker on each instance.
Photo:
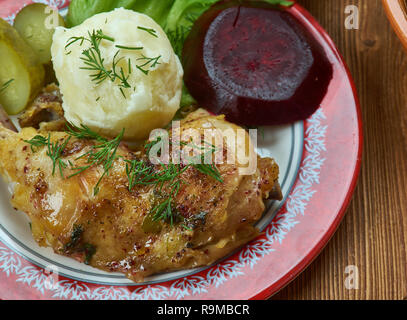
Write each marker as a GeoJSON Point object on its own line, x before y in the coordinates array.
{"type": "Point", "coordinates": [117, 70]}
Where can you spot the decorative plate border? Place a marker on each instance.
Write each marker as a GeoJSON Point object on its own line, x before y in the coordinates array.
{"type": "Point", "coordinates": [43, 284]}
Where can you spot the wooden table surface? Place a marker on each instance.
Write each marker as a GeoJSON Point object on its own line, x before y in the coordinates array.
{"type": "Point", "coordinates": [373, 234]}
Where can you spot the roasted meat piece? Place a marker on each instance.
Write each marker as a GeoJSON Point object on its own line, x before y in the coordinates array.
{"type": "Point", "coordinates": [117, 228]}
{"type": "Point", "coordinates": [45, 112]}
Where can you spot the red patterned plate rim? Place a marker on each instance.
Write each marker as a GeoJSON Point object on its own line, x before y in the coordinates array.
{"type": "Point", "coordinates": [312, 212]}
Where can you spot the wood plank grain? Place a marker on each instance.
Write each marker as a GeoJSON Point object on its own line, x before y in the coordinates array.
{"type": "Point", "coordinates": [373, 235]}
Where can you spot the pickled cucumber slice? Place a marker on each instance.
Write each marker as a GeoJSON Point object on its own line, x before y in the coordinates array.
{"type": "Point", "coordinates": [36, 24]}
{"type": "Point", "coordinates": [20, 64]}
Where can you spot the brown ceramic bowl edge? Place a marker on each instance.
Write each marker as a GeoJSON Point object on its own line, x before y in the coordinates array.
{"type": "Point", "coordinates": [396, 11]}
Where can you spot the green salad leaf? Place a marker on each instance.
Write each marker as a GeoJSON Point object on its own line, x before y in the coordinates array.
{"type": "Point", "coordinates": [181, 18]}
{"type": "Point", "coordinates": [80, 10]}
{"type": "Point", "coordinates": [156, 9]}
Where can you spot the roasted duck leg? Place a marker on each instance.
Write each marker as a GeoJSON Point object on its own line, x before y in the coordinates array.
{"type": "Point", "coordinates": [119, 229]}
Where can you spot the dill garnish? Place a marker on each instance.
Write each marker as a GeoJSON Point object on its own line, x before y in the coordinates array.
{"type": "Point", "coordinates": [75, 245]}
{"type": "Point", "coordinates": [150, 144]}
{"type": "Point", "coordinates": [151, 62]}
{"type": "Point", "coordinates": [37, 142]}
{"type": "Point", "coordinates": [129, 48]}
{"type": "Point", "coordinates": [149, 30]}
{"type": "Point", "coordinates": [140, 173]}
{"type": "Point", "coordinates": [94, 39]}
{"type": "Point", "coordinates": [92, 56]}
{"type": "Point", "coordinates": [168, 177]}
{"type": "Point", "coordinates": [177, 38]}
{"type": "Point", "coordinates": [84, 132]}
{"type": "Point", "coordinates": [124, 84]}
{"type": "Point", "coordinates": [94, 62]}
{"type": "Point", "coordinates": [198, 161]}
{"type": "Point", "coordinates": [5, 85]}
{"type": "Point", "coordinates": [54, 150]}
{"type": "Point", "coordinates": [102, 154]}
{"type": "Point", "coordinates": [75, 237]}
{"type": "Point", "coordinates": [165, 210]}
{"type": "Point", "coordinates": [209, 169]}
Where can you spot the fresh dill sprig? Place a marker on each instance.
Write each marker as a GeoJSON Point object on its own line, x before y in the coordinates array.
{"type": "Point", "coordinates": [37, 142]}
{"type": "Point", "coordinates": [92, 56]}
{"type": "Point", "coordinates": [165, 210]}
{"type": "Point", "coordinates": [150, 62]}
{"type": "Point", "coordinates": [54, 150]}
{"type": "Point", "coordinates": [198, 161]}
{"type": "Point", "coordinates": [169, 173]}
{"type": "Point", "coordinates": [150, 144]}
{"type": "Point", "coordinates": [149, 30]}
{"type": "Point", "coordinates": [128, 48]}
{"type": "Point", "coordinates": [140, 173]}
{"type": "Point", "coordinates": [94, 39]}
{"type": "Point", "coordinates": [168, 177]}
{"type": "Point", "coordinates": [103, 154]}
{"type": "Point", "coordinates": [95, 63]}
{"type": "Point", "coordinates": [5, 85]}
{"type": "Point", "coordinates": [84, 132]}
{"type": "Point", "coordinates": [123, 79]}
{"type": "Point", "coordinates": [209, 169]}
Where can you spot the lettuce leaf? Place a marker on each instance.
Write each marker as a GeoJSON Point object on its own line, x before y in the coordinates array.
{"type": "Point", "coordinates": [156, 9]}
{"type": "Point", "coordinates": [80, 10]}
{"type": "Point", "coordinates": [181, 18]}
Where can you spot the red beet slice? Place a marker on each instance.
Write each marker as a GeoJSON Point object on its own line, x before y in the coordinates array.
{"type": "Point", "coordinates": [255, 63]}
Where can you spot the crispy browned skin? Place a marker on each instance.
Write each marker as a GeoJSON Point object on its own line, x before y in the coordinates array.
{"type": "Point", "coordinates": [117, 222]}
{"type": "Point", "coordinates": [45, 112]}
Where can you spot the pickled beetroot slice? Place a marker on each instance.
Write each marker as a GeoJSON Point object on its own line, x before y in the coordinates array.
{"type": "Point", "coordinates": [255, 63]}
